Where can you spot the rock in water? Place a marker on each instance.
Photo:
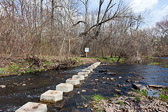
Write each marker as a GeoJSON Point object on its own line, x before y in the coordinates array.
{"type": "Point", "coordinates": [117, 90]}
{"type": "Point", "coordinates": [157, 86]}
{"type": "Point", "coordinates": [139, 86]}
{"type": "Point", "coordinates": [111, 73]}
{"type": "Point", "coordinates": [128, 80]}
{"type": "Point", "coordinates": [2, 86]}
{"type": "Point", "coordinates": [83, 91]}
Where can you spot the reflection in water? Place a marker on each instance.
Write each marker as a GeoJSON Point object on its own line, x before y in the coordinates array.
{"type": "Point", "coordinates": [153, 93]}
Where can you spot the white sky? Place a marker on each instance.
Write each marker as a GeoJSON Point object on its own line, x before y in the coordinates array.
{"type": "Point", "coordinates": [153, 10]}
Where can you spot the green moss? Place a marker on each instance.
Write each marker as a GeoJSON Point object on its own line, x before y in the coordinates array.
{"type": "Point", "coordinates": [41, 69]}
{"type": "Point", "coordinates": [155, 63]}
{"type": "Point", "coordinates": [144, 93]}
{"type": "Point", "coordinates": [24, 66]}
{"type": "Point", "coordinates": [11, 68]}
{"type": "Point", "coordinates": [149, 57]}
{"type": "Point", "coordinates": [29, 70]}
{"type": "Point", "coordinates": [115, 95]}
{"type": "Point", "coordinates": [121, 103]}
{"type": "Point", "coordinates": [14, 68]}
{"type": "Point", "coordinates": [137, 91]}
{"type": "Point", "coordinates": [20, 72]}
{"type": "Point", "coordinates": [47, 63]}
{"type": "Point", "coordinates": [2, 69]}
{"type": "Point", "coordinates": [101, 59]}
{"type": "Point", "coordinates": [97, 98]}
{"type": "Point", "coordinates": [164, 97]}
{"type": "Point", "coordinates": [166, 66]}
{"type": "Point", "coordinates": [123, 60]}
{"type": "Point", "coordinates": [138, 99]}
{"type": "Point", "coordinates": [113, 59]}
{"type": "Point", "coordinates": [78, 60]}
{"type": "Point", "coordinates": [165, 90]}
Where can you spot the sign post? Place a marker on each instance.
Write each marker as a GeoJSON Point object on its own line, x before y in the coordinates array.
{"type": "Point", "coordinates": [86, 51]}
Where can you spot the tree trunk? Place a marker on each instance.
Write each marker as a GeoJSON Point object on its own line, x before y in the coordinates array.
{"type": "Point", "coordinates": [52, 14]}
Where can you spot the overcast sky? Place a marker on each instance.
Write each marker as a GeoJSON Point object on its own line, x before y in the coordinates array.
{"type": "Point", "coordinates": [154, 10]}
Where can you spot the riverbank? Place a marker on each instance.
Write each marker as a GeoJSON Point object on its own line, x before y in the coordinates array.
{"type": "Point", "coordinates": [135, 101]}
{"type": "Point", "coordinates": [18, 65]}
{"type": "Point", "coordinates": [31, 64]}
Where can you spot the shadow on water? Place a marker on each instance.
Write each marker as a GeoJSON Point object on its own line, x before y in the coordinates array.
{"type": "Point", "coordinates": [21, 89]}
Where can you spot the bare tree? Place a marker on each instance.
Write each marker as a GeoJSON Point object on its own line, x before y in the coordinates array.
{"type": "Point", "coordinates": [52, 13]}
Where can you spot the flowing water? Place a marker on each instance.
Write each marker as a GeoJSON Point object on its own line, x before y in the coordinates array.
{"type": "Point", "coordinates": [22, 89]}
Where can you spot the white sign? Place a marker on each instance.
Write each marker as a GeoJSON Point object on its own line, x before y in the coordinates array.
{"type": "Point", "coordinates": [86, 49]}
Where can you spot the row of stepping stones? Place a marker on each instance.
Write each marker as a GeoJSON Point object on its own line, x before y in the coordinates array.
{"type": "Point", "coordinates": [53, 96]}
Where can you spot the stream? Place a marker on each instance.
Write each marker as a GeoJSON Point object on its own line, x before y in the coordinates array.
{"type": "Point", "coordinates": [28, 88]}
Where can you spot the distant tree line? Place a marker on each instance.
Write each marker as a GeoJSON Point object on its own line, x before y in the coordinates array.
{"type": "Point", "coordinates": [66, 27]}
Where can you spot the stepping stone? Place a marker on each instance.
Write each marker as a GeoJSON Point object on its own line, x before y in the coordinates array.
{"type": "Point", "coordinates": [73, 81]}
{"type": "Point", "coordinates": [2, 86]}
{"type": "Point", "coordinates": [90, 67]}
{"type": "Point", "coordinates": [80, 77]}
{"type": "Point", "coordinates": [139, 86]}
{"type": "Point", "coordinates": [33, 107]}
{"type": "Point", "coordinates": [93, 66]}
{"type": "Point", "coordinates": [85, 74]}
{"type": "Point", "coordinates": [51, 96]}
{"type": "Point", "coordinates": [98, 63]}
{"type": "Point", "coordinates": [65, 87]}
{"type": "Point", "coordinates": [87, 70]}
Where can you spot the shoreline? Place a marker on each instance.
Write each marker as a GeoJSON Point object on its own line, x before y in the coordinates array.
{"type": "Point", "coordinates": [35, 64]}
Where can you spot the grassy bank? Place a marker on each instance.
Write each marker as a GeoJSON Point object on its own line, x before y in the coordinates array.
{"type": "Point", "coordinates": [102, 59]}
{"type": "Point", "coordinates": [112, 59]}
{"type": "Point", "coordinates": [33, 64]}
{"type": "Point", "coordinates": [37, 63]}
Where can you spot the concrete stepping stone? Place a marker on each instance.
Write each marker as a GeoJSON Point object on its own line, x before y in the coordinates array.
{"type": "Point", "coordinates": [2, 86]}
{"type": "Point", "coordinates": [65, 87]}
{"type": "Point", "coordinates": [33, 107]}
{"type": "Point", "coordinates": [73, 81]}
{"type": "Point", "coordinates": [85, 74]}
{"type": "Point", "coordinates": [88, 70]}
{"type": "Point", "coordinates": [93, 66]}
{"type": "Point", "coordinates": [51, 96]}
{"type": "Point", "coordinates": [97, 63]}
{"type": "Point", "coordinates": [80, 77]}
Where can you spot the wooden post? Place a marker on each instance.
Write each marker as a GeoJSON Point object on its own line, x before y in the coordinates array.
{"type": "Point", "coordinates": [86, 54]}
